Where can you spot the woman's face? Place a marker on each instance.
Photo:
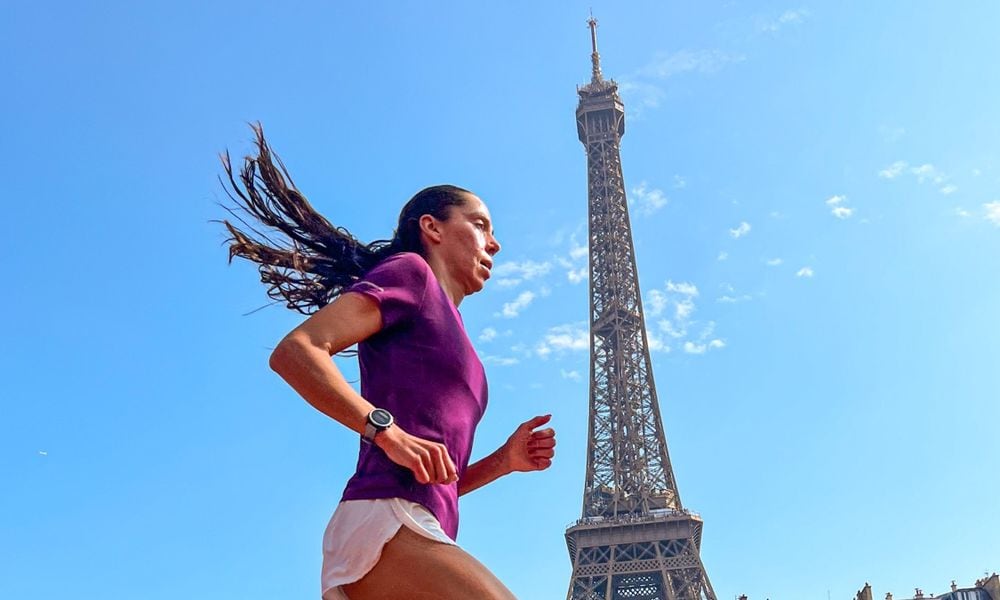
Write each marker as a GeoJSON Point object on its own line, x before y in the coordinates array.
{"type": "Point", "coordinates": [467, 244]}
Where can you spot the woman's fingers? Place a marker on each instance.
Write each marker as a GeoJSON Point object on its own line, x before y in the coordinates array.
{"type": "Point", "coordinates": [419, 466]}
{"type": "Point", "coordinates": [435, 463]}
{"type": "Point", "coordinates": [545, 442]}
{"type": "Point", "coordinates": [429, 461]}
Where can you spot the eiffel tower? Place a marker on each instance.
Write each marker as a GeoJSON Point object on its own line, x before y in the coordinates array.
{"type": "Point", "coordinates": [634, 539]}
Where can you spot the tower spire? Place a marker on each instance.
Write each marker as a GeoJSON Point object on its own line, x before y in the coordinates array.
{"type": "Point", "coordinates": [595, 58]}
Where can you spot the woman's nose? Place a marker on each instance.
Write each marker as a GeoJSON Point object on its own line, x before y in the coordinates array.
{"type": "Point", "coordinates": [492, 246]}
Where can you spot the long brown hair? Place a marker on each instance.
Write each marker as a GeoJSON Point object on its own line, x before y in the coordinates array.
{"type": "Point", "coordinates": [304, 260]}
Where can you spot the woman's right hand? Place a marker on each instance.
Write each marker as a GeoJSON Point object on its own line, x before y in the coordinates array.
{"type": "Point", "coordinates": [429, 461]}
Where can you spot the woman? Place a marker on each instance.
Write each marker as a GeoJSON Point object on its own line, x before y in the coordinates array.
{"type": "Point", "coordinates": [423, 389]}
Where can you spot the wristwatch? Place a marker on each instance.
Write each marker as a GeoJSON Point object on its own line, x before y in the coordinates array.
{"type": "Point", "coordinates": [378, 420]}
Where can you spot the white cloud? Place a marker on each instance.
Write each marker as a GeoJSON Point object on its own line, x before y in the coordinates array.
{"type": "Point", "coordinates": [669, 329]}
{"type": "Point", "coordinates": [577, 252]}
{"type": "Point", "coordinates": [656, 301]}
{"type": "Point", "coordinates": [926, 172]}
{"type": "Point", "coordinates": [684, 309]}
{"type": "Point", "coordinates": [837, 209]}
{"type": "Point", "coordinates": [664, 66]}
{"type": "Point", "coordinates": [961, 212]}
{"type": "Point", "coordinates": [741, 230]}
{"type": "Point", "coordinates": [647, 200]}
{"type": "Point", "coordinates": [513, 309]}
{"type": "Point", "coordinates": [528, 269]}
{"type": "Point", "coordinates": [923, 173]}
{"type": "Point", "coordinates": [842, 212]}
{"type": "Point", "coordinates": [684, 288]}
{"type": "Point", "coordinates": [641, 88]}
{"type": "Point", "coordinates": [573, 337]}
{"type": "Point", "coordinates": [571, 375]}
{"type": "Point", "coordinates": [693, 348]}
{"type": "Point", "coordinates": [679, 183]}
{"type": "Point", "coordinates": [656, 343]}
{"type": "Point", "coordinates": [805, 272]}
{"type": "Point", "coordinates": [727, 299]}
{"type": "Point", "coordinates": [992, 212]}
{"type": "Point", "coordinates": [717, 344]}
{"type": "Point", "coordinates": [894, 170]}
{"type": "Point", "coordinates": [722, 256]}
{"type": "Point", "coordinates": [787, 18]}
{"type": "Point", "coordinates": [489, 334]}
{"type": "Point", "coordinates": [976, 172]}
{"type": "Point", "coordinates": [502, 361]}
{"type": "Point", "coordinates": [774, 262]}
{"type": "Point", "coordinates": [577, 275]}
{"type": "Point", "coordinates": [508, 283]}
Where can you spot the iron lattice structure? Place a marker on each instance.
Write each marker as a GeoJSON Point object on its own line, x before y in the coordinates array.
{"type": "Point", "coordinates": [634, 539]}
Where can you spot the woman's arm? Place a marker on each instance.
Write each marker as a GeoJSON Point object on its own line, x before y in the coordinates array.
{"type": "Point", "coordinates": [303, 359]}
{"type": "Point", "coordinates": [524, 450]}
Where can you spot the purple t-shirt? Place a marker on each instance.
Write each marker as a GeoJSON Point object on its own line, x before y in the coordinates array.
{"type": "Point", "coordinates": [422, 368]}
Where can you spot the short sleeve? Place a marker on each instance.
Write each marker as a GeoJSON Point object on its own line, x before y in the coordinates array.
{"type": "Point", "coordinates": [398, 285]}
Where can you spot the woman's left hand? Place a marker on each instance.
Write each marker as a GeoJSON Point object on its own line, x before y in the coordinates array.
{"type": "Point", "coordinates": [530, 450]}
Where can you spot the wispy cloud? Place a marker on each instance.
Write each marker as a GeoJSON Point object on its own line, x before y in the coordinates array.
{"type": "Point", "coordinates": [502, 361]}
{"type": "Point", "coordinates": [648, 200]}
{"type": "Point", "coordinates": [514, 308]}
{"type": "Point", "coordinates": [837, 208]}
{"type": "Point", "coordinates": [927, 172]}
{"type": "Point", "coordinates": [571, 337]}
{"type": "Point", "coordinates": [992, 210]}
{"type": "Point", "coordinates": [673, 307]}
{"type": "Point", "coordinates": [894, 170]}
{"type": "Point", "coordinates": [664, 66]}
{"type": "Point", "coordinates": [805, 272]}
{"type": "Point", "coordinates": [774, 262]}
{"type": "Point", "coordinates": [785, 19]}
{"type": "Point", "coordinates": [700, 348]}
{"type": "Point", "coordinates": [891, 134]}
{"type": "Point", "coordinates": [642, 87]}
{"type": "Point", "coordinates": [656, 343]}
{"type": "Point", "coordinates": [575, 261]}
{"type": "Point", "coordinates": [679, 183]}
{"type": "Point", "coordinates": [740, 230]}
{"type": "Point", "coordinates": [727, 299]}
{"type": "Point", "coordinates": [923, 173]}
{"type": "Point", "coordinates": [487, 335]}
{"type": "Point", "coordinates": [511, 274]}
{"type": "Point", "coordinates": [571, 375]}
{"type": "Point", "coordinates": [722, 256]}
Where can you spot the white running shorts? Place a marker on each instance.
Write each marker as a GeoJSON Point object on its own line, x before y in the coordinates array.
{"type": "Point", "coordinates": [358, 529]}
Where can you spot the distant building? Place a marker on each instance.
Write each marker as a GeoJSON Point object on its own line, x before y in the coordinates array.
{"type": "Point", "coordinates": [987, 588]}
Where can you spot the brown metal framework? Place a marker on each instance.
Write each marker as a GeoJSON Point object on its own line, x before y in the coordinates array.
{"type": "Point", "coordinates": [634, 539]}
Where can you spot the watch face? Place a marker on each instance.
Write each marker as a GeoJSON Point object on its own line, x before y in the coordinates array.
{"type": "Point", "coordinates": [380, 418]}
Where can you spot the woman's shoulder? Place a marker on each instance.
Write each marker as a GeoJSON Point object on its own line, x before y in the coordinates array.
{"type": "Point", "coordinates": [400, 267]}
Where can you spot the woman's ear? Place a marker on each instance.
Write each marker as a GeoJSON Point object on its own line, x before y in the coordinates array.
{"type": "Point", "coordinates": [429, 229]}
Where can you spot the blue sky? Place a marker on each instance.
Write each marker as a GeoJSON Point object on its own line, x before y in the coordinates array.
{"type": "Point", "coordinates": [815, 196]}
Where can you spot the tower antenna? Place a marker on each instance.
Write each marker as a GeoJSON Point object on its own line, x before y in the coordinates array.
{"type": "Point", "coordinates": [595, 58]}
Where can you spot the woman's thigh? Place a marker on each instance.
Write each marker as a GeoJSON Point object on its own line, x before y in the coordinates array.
{"type": "Point", "coordinates": [413, 567]}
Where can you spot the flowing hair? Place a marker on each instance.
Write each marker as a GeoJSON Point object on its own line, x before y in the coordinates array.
{"type": "Point", "coordinates": [304, 260]}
